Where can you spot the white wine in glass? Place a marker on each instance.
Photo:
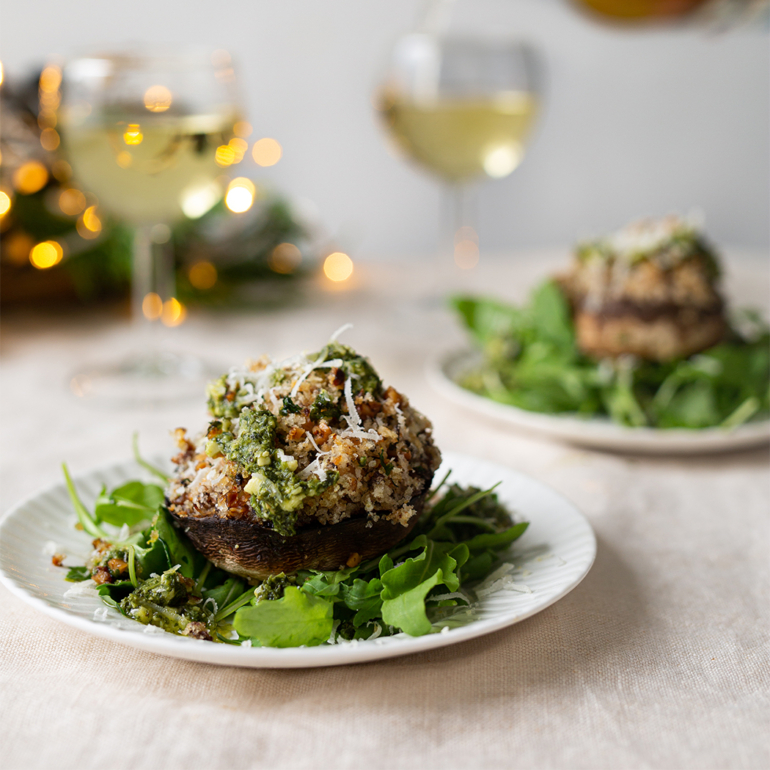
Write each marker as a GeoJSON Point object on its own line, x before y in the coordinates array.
{"type": "Point", "coordinates": [463, 109]}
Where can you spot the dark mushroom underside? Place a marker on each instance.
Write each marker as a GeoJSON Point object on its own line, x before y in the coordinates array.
{"type": "Point", "coordinates": [248, 548]}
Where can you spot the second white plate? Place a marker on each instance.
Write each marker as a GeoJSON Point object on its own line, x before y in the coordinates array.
{"type": "Point", "coordinates": [598, 433]}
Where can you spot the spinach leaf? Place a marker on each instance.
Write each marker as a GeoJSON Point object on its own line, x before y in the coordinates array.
{"type": "Point", "coordinates": [293, 620]}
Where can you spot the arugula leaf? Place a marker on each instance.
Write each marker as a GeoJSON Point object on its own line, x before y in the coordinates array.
{"type": "Point", "coordinates": [497, 541]}
{"type": "Point", "coordinates": [551, 315]}
{"type": "Point", "coordinates": [407, 610]}
{"type": "Point", "coordinates": [406, 586]}
{"type": "Point", "coordinates": [364, 597]}
{"type": "Point", "coordinates": [295, 619]}
{"type": "Point", "coordinates": [84, 517]}
{"type": "Point", "coordinates": [128, 504]}
{"type": "Point", "coordinates": [77, 574]}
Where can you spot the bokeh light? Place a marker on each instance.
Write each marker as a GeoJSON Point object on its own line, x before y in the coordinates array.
{"type": "Point", "coordinates": [46, 254]}
{"type": "Point", "coordinates": [338, 267]}
{"type": "Point", "coordinates": [239, 147]}
{"type": "Point", "coordinates": [202, 275]}
{"type": "Point", "coordinates": [240, 195]}
{"type": "Point", "coordinates": [501, 160]}
{"type": "Point", "coordinates": [50, 79]}
{"type": "Point", "coordinates": [225, 155]}
{"type": "Point", "coordinates": [284, 258]}
{"type": "Point", "coordinates": [17, 247]}
{"type": "Point", "coordinates": [266, 152]}
{"type": "Point", "coordinates": [72, 201]}
{"type": "Point", "coordinates": [89, 225]}
{"type": "Point", "coordinates": [133, 134]}
{"type": "Point", "coordinates": [2, 73]}
{"type": "Point", "coordinates": [197, 199]}
{"type": "Point", "coordinates": [49, 139]}
{"type": "Point", "coordinates": [152, 306]}
{"type": "Point", "coordinates": [160, 233]}
{"type": "Point", "coordinates": [5, 203]}
{"type": "Point", "coordinates": [466, 254]}
{"type": "Point", "coordinates": [157, 98]}
{"type": "Point", "coordinates": [30, 177]}
{"type": "Point", "coordinates": [174, 312]}
{"type": "Point", "coordinates": [124, 159]}
{"type": "Point", "coordinates": [242, 129]}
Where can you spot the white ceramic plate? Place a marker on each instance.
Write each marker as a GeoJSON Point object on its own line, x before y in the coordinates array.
{"type": "Point", "coordinates": [444, 371]}
{"type": "Point", "coordinates": [551, 558]}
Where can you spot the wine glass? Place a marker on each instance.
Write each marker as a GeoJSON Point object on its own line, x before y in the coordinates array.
{"type": "Point", "coordinates": [461, 108]}
{"type": "Point", "coordinates": [148, 134]}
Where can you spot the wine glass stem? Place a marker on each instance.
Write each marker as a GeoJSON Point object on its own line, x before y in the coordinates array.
{"type": "Point", "coordinates": [152, 284]}
{"type": "Point", "coordinates": [460, 214]}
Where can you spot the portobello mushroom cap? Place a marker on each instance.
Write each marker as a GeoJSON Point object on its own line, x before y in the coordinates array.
{"type": "Point", "coordinates": [248, 548]}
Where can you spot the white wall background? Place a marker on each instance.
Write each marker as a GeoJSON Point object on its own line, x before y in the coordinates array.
{"type": "Point", "coordinates": [636, 122]}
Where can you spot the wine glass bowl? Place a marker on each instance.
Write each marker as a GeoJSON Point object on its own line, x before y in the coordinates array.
{"type": "Point", "coordinates": [460, 107]}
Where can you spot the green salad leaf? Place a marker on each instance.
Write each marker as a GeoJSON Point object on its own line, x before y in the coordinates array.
{"type": "Point", "coordinates": [530, 360]}
{"type": "Point", "coordinates": [157, 577]}
{"type": "Point", "coordinates": [295, 619]}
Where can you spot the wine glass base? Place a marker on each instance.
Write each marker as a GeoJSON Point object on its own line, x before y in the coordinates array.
{"type": "Point", "coordinates": [142, 379]}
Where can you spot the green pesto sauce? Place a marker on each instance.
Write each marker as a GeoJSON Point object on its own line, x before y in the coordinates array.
{"type": "Point", "coordinates": [277, 493]}
{"type": "Point", "coordinates": [165, 601]}
{"type": "Point", "coordinates": [273, 588]}
{"type": "Point", "coordinates": [324, 408]}
{"type": "Point", "coordinates": [364, 376]}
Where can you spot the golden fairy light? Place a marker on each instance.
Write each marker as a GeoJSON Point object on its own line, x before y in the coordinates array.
{"type": "Point", "coordinates": [284, 258]}
{"type": "Point", "coordinates": [30, 177]}
{"type": "Point", "coordinates": [152, 306]}
{"type": "Point", "coordinates": [49, 139]}
{"type": "Point", "coordinates": [5, 203]}
{"type": "Point", "coordinates": [89, 225]}
{"type": "Point", "coordinates": [202, 275]}
{"type": "Point", "coordinates": [174, 312]}
{"type": "Point", "coordinates": [157, 98]}
{"type": "Point", "coordinates": [46, 254]}
{"type": "Point", "coordinates": [47, 120]}
{"type": "Point", "coordinates": [50, 79]}
{"type": "Point", "coordinates": [266, 152]}
{"type": "Point", "coordinates": [239, 146]}
{"type": "Point", "coordinates": [338, 267]}
{"type": "Point", "coordinates": [133, 134]}
{"type": "Point", "coordinates": [72, 201]}
{"type": "Point", "coordinates": [124, 159]}
{"type": "Point", "coordinates": [225, 155]}
{"type": "Point", "coordinates": [17, 247]}
{"type": "Point", "coordinates": [240, 195]}
{"type": "Point", "coordinates": [242, 129]}
{"type": "Point", "coordinates": [2, 73]}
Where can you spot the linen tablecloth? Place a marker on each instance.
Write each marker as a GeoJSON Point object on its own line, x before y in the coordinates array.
{"type": "Point", "coordinates": [659, 659]}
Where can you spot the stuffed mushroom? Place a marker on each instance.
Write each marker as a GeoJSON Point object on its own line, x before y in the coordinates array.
{"type": "Point", "coordinates": [649, 290]}
{"type": "Point", "coordinates": [310, 463]}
